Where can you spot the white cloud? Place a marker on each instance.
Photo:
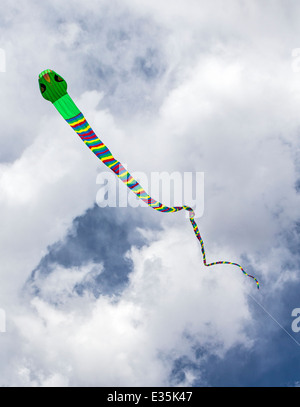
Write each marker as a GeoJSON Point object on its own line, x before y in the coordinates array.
{"type": "Point", "coordinates": [132, 340]}
{"type": "Point", "coordinates": [226, 102]}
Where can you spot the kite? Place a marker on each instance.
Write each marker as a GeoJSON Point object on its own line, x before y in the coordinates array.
{"type": "Point", "coordinates": [54, 88]}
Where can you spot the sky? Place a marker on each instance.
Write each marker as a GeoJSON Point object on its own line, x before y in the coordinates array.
{"type": "Point", "coordinates": [95, 295]}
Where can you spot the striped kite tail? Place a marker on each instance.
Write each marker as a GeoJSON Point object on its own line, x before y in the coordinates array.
{"type": "Point", "coordinates": [80, 125]}
{"type": "Point", "coordinates": [54, 89]}
{"type": "Point", "coordinates": [198, 235]}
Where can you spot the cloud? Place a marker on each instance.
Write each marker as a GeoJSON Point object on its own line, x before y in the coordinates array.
{"type": "Point", "coordinates": [133, 339]}
{"type": "Point", "coordinates": [168, 87]}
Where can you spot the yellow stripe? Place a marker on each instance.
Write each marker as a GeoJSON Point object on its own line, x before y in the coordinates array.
{"type": "Point", "coordinates": [106, 158]}
{"type": "Point", "coordinates": [78, 121]}
{"type": "Point", "coordinates": [111, 164]}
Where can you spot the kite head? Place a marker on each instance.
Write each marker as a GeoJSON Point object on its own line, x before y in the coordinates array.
{"type": "Point", "coordinates": [52, 85]}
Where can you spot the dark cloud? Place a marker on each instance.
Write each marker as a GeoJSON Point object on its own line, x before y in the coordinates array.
{"type": "Point", "coordinates": [273, 356]}
{"type": "Point", "coordinates": [101, 236]}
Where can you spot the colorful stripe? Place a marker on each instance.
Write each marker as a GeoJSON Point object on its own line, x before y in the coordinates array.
{"type": "Point", "coordinates": [87, 135]}
{"type": "Point", "coordinates": [197, 233]}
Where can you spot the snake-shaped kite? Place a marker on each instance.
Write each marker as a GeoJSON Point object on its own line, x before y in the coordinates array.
{"type": "Point", "coordinates": [54, 88]}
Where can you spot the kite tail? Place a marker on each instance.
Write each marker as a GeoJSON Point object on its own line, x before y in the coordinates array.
{"type": "Point", "coordinates": [54, 89]}
{"type": "Point", "coordinates": [197, 233]}
{"type": "Point", "coordinates": [87, 135]}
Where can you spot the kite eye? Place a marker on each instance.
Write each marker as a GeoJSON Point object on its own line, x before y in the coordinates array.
{"type": "Point", "coordinates": [58, 78]}
{"type": "Point", "coordinates": [43, 88]}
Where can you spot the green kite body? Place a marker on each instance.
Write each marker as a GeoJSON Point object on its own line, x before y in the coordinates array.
{"type": "Point", "coordinates": [54, 89]}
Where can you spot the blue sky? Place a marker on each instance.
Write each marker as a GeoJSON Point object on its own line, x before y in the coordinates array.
{"type": "Point", "coordinates": [119, 296]}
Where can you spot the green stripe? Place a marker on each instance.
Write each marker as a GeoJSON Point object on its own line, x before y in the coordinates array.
{"type": "Point", "coordinates": [95, 142]}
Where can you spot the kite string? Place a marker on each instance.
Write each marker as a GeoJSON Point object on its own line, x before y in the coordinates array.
{"type": "Point", "coordinates": [88, 136]}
